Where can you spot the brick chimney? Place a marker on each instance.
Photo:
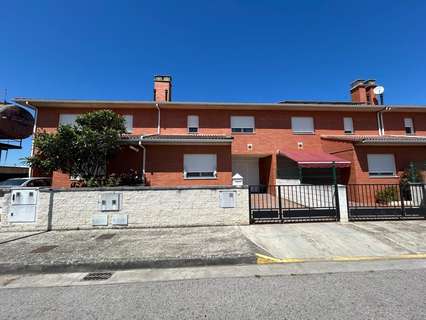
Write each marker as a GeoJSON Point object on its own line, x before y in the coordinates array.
{"type": "Point", "coordinates": [362, 91]}
{"type": "Point", "coordinates": [162, 88]}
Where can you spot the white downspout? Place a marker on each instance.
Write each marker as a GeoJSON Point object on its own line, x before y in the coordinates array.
{"type": "Point", "coordinates": [380, 122]}
{"type": "Point", "coordinates": [143, 158]}
{"type": "Point", "coordinates": [159, 118]}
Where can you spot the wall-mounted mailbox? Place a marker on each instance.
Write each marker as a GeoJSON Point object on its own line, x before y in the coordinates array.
{"type": "Point", "coordinates": [23, 196]}
{"type": "Point", "coordinates": [110, 201]}
{"type": "Point", "coordinates": [237, 180]}
{"type": "Point", "coordinates": [119, 219]}
{"type": "Point", "coordinates": [227, 199]}
{"type": "Point", "coordinates": [100, 220]}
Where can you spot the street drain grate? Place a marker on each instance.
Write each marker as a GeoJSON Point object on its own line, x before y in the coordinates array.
{"type": "Point", "coordinates": [43, 249]}
{"type": "Point", "coordinates": [97, 276]}
{"type": "Point", "coordinates": [105, 236]}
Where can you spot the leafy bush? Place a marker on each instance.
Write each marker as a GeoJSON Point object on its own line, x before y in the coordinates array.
{"type": "Point", "coordinates": [387, 195]}
{"type": "Point", "coordinates": [132, 178]}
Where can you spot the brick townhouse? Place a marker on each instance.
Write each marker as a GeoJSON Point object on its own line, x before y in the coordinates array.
{"type": "Point", "coordinates": [289, 142]}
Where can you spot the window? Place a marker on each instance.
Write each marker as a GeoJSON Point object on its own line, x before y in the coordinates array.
{"type": "Point", "coordinates": [67, 119]}
{"type": "Point", "coordinates": [302, 124]}
{"type": "Point", "coordinates": [242, 124]}
{"type": "Point", "coordinates": [381, 165]}
{"type": "Point", "coordinates": [192, 124]}
{"type": "Point", "coordinates": [408, 125]}
{"type": "Point", "coordinates": [199, 166]}
{"type": "Point", "coordinates": [348, 125]}
{"type": "Point", "coordinates": [128, 123]}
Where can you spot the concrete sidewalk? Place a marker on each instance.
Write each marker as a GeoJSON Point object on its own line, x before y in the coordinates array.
{"type": "Point", "coordinates": [89, 250]}
{"type": "Point", "coordinates": [60, 251]}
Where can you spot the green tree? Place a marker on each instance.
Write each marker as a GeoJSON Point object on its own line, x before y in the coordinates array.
{"type": "Point", "coordinates": [82, 149]}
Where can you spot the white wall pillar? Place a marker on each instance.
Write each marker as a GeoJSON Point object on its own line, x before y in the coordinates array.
{"type": "Point", "coordinates": [343, 204]}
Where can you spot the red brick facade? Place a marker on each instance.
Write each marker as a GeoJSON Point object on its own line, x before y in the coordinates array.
{"type": "Point", "coordinates": [273, 132]}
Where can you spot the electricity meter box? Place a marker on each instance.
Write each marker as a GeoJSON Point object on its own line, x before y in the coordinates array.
{"type": "Point", "coordinates": [227, 199]}
{"type": "Point", "coordinates": [23, 203]}
{"type": "Point", "coordinates": [23, 196]}
{"type": "Point", "coordinates": [110, 201]}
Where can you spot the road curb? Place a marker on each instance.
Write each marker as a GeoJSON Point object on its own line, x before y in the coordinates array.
{"type": "Point", "coordinates": [125, 265]}
{"type": "Point", "coordinates": [264, 259]}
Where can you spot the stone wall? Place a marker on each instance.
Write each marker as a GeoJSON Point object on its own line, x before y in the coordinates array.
{"type": "Point", "coordinates": [144, 207]}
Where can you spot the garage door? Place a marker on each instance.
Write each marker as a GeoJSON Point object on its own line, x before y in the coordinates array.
{"type": "Point", "coordinates": [248, 168]}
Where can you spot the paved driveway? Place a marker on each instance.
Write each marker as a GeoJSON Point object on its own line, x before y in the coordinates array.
{"type": "Point", "coordinates": [326, 240]}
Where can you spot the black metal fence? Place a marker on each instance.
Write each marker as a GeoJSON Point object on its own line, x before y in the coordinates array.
{"type": "Point", "coordinates": [292, 203]}
{"type": "Point", "coordinates": [386, 201]}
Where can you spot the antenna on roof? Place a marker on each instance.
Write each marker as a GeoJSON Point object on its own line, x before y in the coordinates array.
{"type": "Point", "coordinates": [378, 91]}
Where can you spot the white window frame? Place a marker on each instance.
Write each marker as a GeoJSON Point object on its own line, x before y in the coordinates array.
{"type": "Point", "coordinates": [409, 124]}
{"type": "Point", "coordinates": [348, 125]}
{"type": "Point", "coordinates": [193, 123]}
{"type": "Point", "coordinates": [201, 171]}
{"type": "Point", "coordinates": [63, 116]}
{"type": "Point", "coordinates": [128, 122]}
{"type": "Point", "coordinates": [249, 127]}
{"type": "Point", "coordinates": [378, 173]}
{"type": "Point", "coordinates": [294, 124]}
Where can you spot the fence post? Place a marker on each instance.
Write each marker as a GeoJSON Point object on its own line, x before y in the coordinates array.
{"type": "Point", "coordinates": [343, 204]}
{"type": "Point", "coordinates": [401, 197]}
{"type": "Point", "coordinates": [250, 212]}
{"type": "Point", "coordinates": [280, 207]}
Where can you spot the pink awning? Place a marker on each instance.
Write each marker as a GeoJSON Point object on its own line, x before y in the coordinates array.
{"type": "Point", "coordinates": [315, 159]}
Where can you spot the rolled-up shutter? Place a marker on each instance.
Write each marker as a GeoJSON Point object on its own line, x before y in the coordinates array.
{"type": "Point", "coordinates": [199, 162]}
{"type": "Point", "coordinates": [242, 122]}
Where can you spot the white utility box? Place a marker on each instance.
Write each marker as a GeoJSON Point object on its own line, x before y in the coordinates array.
{"type": "Point", "coordinates": [100, 220]}
{"type": "Point", "coordinates": [227, 199]}
{"type": "Point", "coordinates": [23, 203]}
{"type": "Point", "coordinates": [23, 196]}
{"type": "Point", "coordinates": [110, 201]}
{"type": "Point", "coordinates": [22, 213]}
{"type": "Point", "coordinates": [119, 220]}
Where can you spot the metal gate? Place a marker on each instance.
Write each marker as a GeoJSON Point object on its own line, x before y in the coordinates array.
{"type": "Point", "coordinates": [386, 201]}
{"type": "Point", "coordinates": [293, 203]}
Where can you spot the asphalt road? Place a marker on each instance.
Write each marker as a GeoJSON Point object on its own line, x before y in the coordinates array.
{"type": "Point", "coordinates": [363, 295]}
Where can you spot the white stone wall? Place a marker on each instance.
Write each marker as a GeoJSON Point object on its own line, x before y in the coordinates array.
{"type": "Point", "coordinates": [74, 209]}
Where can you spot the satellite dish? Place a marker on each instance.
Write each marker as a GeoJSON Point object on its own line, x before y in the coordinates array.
{"type": "Point", "coordinates": [379, 90]}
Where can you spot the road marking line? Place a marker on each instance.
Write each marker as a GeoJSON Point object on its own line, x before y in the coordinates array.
{"type": "Point", "coordinates": [262, 259]}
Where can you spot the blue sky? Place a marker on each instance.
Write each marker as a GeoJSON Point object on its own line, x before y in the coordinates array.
{"type": "Point", "coordinates": [233, 50]}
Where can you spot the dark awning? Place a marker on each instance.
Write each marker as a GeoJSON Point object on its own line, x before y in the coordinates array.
{"type": "Point", "coordinates": [315, 159]}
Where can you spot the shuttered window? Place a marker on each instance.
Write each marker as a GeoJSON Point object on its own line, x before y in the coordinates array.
{"type": "Point", "coordinates": [193, 124]}
{"type": "Point", "coordinates": [348, 125]}
{"type": "Point", "coordinates": [302, 124]}
{"type": "Point", "coordinates": [409, 126]}
{"type": "Point", "coordinates": [199, 166]}
{"type": "Point", "coordinates": [242, 124]}
{"type": "Point", "coordinates": [381, 165]}
{"type": "Point", "coordinates": [68, 119]}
